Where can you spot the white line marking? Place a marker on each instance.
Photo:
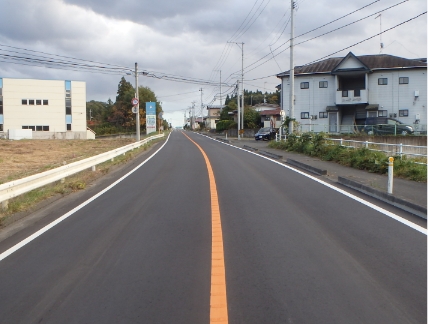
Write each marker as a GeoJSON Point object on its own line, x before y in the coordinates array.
{"type": "Point", "coordinates": [362, 201]}
{"type": "Point", "coordinates": [24, 242]}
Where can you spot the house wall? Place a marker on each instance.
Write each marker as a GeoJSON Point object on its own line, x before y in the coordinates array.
{"type": "Point", "coordinates": [394, 96]}
{"type": "Point", "coordinates": [313, 100]}
{"type": "Point", "coordinates": [16, 115]}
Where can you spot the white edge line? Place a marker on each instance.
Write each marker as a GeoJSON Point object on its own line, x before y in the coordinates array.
{"type": "Point", "coordinates": [24, 242]}
{"type": "Point", "coordinates": [364, 202]}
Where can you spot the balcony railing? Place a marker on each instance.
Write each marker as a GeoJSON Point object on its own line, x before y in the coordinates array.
{"type": "Point", "coordinates": [351, 97]}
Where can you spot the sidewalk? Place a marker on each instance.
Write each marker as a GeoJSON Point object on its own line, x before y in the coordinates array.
{"type": "Point", "coordinates": [408, 195]}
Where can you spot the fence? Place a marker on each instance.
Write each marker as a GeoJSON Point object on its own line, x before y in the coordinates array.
{"type": "Point", "coordinates": [389, 148]}
{"type": "Point", "coordinates": [15, 188]}
{"type": "Point", "coordinates": [392, 149]}
{"type": "Point", "coordinates": [400, 129]}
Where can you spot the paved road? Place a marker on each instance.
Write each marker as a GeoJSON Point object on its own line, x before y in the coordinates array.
{"type": "Point", "coordinates": [296, 251]}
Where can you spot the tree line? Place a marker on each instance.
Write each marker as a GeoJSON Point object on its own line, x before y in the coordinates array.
{"type": "Point", "coordinates": [117, 117]}
{"type": "Point", "coordinates": [252, 117]}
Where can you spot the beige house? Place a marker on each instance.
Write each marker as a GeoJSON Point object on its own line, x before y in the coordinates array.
{"type": "Point", "coordinates": [43, 109]}
{"type": "Point", "coordinates": [213, 115]}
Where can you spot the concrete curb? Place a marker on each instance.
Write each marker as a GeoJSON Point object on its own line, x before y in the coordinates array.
{"type": "Point", "coordinates": [397, 202]}
{"type": "Point", "coordinates": [306, 167]}
{"type": "Point", "coordinates": [222, 140]}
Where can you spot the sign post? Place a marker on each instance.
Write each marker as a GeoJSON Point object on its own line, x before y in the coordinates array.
{"type": "Point", "coordinates": [150, 117]}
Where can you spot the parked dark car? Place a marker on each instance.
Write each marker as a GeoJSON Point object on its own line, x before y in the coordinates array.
{"type": "Point", "coordinates": [265, 133]}
{"type": "Point", "coordinates": [386, 126]}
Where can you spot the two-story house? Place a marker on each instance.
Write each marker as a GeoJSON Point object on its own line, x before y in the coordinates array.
{"type": "Point", "coordinates": [213, 115]}
{"type": "Point", "coordinates": [338, 94]}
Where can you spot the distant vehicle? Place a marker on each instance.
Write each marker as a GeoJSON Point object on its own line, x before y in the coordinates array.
{"type": "Point", "coordinates": [386, 126]}
{"type": "Point", "coordinates": [265, 133]}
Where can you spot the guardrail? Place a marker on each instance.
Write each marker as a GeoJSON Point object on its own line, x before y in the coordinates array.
{"type": "Point", "coordinates": [15, 188]}
{"type": "Point", "coordinates": [419, 129]}
{"type": "Point", "coordinates": [394, 149]}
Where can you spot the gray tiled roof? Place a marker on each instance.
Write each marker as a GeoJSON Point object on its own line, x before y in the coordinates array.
{"type": "Point", "coordinates": [373, 62]}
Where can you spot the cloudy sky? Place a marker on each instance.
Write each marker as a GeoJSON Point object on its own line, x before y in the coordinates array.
{"type": "Point", "coordinates": [184, 45]}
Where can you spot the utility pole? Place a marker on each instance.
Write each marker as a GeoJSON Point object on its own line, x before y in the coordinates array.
{"type": "Point", "coordinates": [242, 84]}
{"type": "Point", "coordinates": [291, 126]}
{"type": "Point", "coordinates": [239, 109]}
{"type": "Point", "coordinates": [202, 114]}
{"type": "Point", "coordinates": [137, 115]}
{"type": "Point", "coordinates": [221, 102]}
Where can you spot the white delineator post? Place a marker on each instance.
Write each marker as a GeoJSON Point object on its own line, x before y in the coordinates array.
{"type": "Point", "coordinates": [390, 174]}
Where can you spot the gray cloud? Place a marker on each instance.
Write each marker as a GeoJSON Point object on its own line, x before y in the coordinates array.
{"type": "Point", "coordinates": [188, 38]}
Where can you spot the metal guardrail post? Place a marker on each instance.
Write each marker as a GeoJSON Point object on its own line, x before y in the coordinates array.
{"type": "Point", "coordinates": [401, 150]}
{"type": "Point", "coordinates": [366, 144]}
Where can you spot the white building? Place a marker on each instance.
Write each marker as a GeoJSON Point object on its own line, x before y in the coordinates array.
{"type": "Point", "coordinates": [341, 92]}
{"type": "Point", "coordinates": [43, 109]}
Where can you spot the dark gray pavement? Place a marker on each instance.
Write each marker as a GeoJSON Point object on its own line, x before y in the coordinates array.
{"type": "Point", "coordinates": [408, 195]}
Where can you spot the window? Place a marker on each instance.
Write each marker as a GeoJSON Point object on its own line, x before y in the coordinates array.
{"type": "Point", "coordinates": [68, 106]}
{"type": "Point", "coordinates": [1, 106]}
{"type": "Point", "coordinates": [323, 84]}
{"type": "Point", "coordinates": [345, 93]}
{"type": "Point", "coordinates": [45, 102]}
{"type": "Point", "coordinates": [33, 128]}
{"type": "Point", "coordinates": [357, 93]}
{"type": "Point", "coordinates": [383, 113]}
{"type": "Point", "coordinates": [68, 85]}
{"type": "Point", "coordinates": [38, 102]}
{"type": "Point", "coordinates": [1, 127]}
{"type": "Point", "coordinates": [382, 81]}
{"type": "Point", "coordinates": [403, 112]}
{"type": "Point", "coordinates": [323, 114]}
{"type": "Point", "coordinates": [31, 101]}
{"type": "Point", "coordinates": [39, 128]}
{"type": "Point", "coordinates": [24, 101]}
{"type": "Point", "coordinates": [403, 80]}
{"type": "Point", "coordinates": [24, 127]}
{"type": "Point", "coordinates": [46, 128]}
{"type": "Point", "coordinates": [304, 115]}
{"type": "Point", "coordinates": [304, 85]}
{"type": "Point", "coordinates": [69, 127]}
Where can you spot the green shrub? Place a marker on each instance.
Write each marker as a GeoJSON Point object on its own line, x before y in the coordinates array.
{"type": "Point", "coordinates": [361, 158]}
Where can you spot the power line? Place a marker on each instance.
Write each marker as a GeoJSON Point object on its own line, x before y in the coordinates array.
{"type": "Point", "coordinates": [316, 37]}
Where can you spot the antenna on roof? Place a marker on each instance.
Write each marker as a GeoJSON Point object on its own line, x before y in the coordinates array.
{"type": "Point", "coordinates": [380, 35]}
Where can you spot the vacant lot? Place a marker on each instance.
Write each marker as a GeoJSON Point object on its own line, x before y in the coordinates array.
{"type": "Point", "coordinates": [22, 158]}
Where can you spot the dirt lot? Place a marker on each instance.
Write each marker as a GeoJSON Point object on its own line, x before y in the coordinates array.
{"type": "Point", "coordinates": [22, 158]}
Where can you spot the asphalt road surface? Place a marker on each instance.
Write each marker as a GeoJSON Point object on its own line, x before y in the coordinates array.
{"type": "Point", "coordinates": [295, 249]}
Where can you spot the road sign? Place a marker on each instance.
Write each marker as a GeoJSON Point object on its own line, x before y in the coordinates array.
{"type": "Point", "coordinates": [134, 110]}
{"type": "Point", "coordinates": [134, 101]}
{"type": "Point", "coordinates": [241, 131]}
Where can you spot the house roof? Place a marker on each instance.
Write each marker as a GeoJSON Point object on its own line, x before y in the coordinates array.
{"type": "Point", "coordinates": [215, 106]}
{"type": "Point", "coordinates": [372, 62]}
{"type": "Point", "coordinates": [270, 112]}
{"type": "Point", "coordinates": [261, 105]}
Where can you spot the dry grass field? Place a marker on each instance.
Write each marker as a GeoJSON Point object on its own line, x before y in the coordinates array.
{"type": "Point", "coordinates": [22, 158]}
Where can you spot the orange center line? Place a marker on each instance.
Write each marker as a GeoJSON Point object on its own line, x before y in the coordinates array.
{"type": "Point", "coordinates": [218, 299]}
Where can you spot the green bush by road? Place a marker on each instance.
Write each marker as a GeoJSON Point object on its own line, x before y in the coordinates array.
{"type": "Point", "coordinates": [360, 158]}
